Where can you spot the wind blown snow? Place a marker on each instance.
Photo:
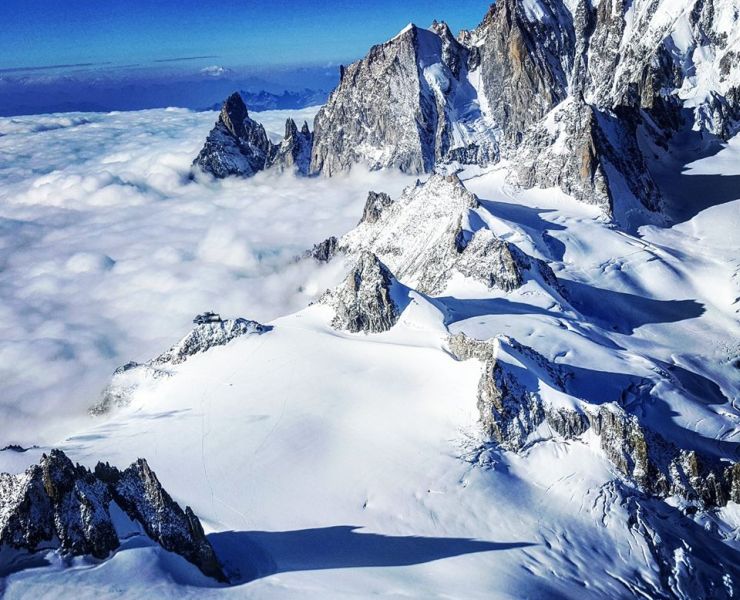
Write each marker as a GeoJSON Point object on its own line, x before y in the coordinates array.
{"type": "Point", "coordinates": [108, 249]}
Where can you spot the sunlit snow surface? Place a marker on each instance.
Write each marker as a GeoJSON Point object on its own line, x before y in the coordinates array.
{"type": "Point", "coordinates": [329, 464]}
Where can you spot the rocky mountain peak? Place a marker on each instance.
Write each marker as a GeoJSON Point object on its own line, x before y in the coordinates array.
{"type": "Point", "coordinates": [367, 300]}
{"type": "Point", "coordinates": [234, 114]}
{"type": "Point", "coordinates": [61, 505]}
{"type": "Point", "coordinates": [238, 145]}
{"type": "Point", "coordinates": [434, 230]}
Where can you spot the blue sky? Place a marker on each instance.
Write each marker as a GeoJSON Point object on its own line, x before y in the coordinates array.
{"type": "Point", "coordinates": [40, 33]}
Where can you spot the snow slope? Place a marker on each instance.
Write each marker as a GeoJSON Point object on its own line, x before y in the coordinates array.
{"type": "Point", "coordinates": [328, 464]}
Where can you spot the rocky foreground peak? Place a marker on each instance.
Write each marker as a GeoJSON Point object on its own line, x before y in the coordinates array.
{"type": "Point", "coordinates": [233, 115]}
{"type": "Point", "coordinates": [59, 505]}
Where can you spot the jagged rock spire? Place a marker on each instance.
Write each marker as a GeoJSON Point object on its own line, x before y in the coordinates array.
{"type": "Point", "coordinates": [291, 130]}
{"type": "Point", "coordinates": [58, 504]}
{"type": "Point", "coordinates": [233, 115]}
{"type": "Point", "coordinates": [365, 300]}
{"type": "Point", "coordinates": [238, 145]}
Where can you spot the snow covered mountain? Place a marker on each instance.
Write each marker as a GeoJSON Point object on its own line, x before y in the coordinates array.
{"type": "Point", "coordinates": [582, 95]}
{"type": "Point", "coordinates": [515, 377]}
{"type": "Point", "coordinates": [570, 92]}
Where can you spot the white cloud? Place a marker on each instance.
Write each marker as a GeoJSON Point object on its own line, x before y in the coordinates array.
{"type": "Point", "coordinates": [108, 249]}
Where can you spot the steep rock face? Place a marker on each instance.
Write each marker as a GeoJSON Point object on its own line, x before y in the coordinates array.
{"type": "Point", "coordinates": [323, 251]}
{"type": "Point", "coordinates": [56, 504]}
{"type": "Point", "coordinates": [434, 230]}
{"type": "Point", "coordinates": [368, 299]}
{"type": "Point", "coordinates": [520, 390]}
{"type": "Point", "coordinates": [210, 331]}
{"type": "Point", "coordinates": [376, 202]}
{"type": "Point", "coordinates": [294, 153]}
{"type": "Point", "coordinates": [138, 492]}
{"type": "Point", "coordinates": [526, 52]}
{"type": "Point", "coordinates": [56, 499]}
{"type": "Point", "coordinates": [237, 145]}
{"type": "Point", "coordinates": [537, 77]}
{"type": "Point", "coordinates": [409, 104]}
{"type": "Point", "coordinates": [588, 154]}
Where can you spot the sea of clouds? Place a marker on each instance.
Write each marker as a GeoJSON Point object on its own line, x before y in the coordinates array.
{"type": "Point", "coordinates": [108, 248]}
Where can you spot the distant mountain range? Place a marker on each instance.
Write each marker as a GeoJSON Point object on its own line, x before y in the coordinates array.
{"type": "Point", "coordinates": [263, 100]}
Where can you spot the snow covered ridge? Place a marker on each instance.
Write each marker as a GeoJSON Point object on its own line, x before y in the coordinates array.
{"type": "Point", "coordinates": [210, 330]}
{"type": "Point", "coordinates": [570, 92]}
{"type": "Point", "coordinates": [435, 231]}
{"type": "Point", "coordinates": [520, 391]}
{"type": "Point", "coordinates": [57, 505]}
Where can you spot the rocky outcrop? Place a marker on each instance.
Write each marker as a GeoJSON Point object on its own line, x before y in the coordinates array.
{"type": "Point", "coordinates": [374, 206]}
{"type": "Point", "coordinates": [409, 105]}
{"type": "Point", "coordinates": [210, 331]}
{"type": "Point", "coordinates": [512, 409]}
{"type": "Point", "coordinates": [323, 251]}
{"type": "Point", "coordinates": [59, 505]}
{"type": "Point", "coordinates": [238, 145]}
{"type": "Point", "coordinates": [588, 154]}
{"type": "Point", "coordinates": [294, 153]}
{"type": "Point", "coordinates": [434, 230]}
{"type": "Point", "coordinates": [368, 300]}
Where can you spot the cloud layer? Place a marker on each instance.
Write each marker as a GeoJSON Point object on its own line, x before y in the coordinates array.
{"type": "Point", "coordinates": [108, 249]}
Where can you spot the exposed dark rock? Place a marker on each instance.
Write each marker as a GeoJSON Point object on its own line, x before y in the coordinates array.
{"type": "Point", "coordinates": [324, 251]}
{"type": "Point", "coordinates": [524, 62]}
{"type": "Point", "coordinates": [376, 202]}
{"type": "Point", "coordinates": [294, 153]}
{"type": "Point", "coordinates": [512, 409]}
{"type": "Point", "coordinates": [16, 448]}
{"type": "Point", "coordinates": [56, 504]}
{"type": "Point", "coordinates": [138, 492]}
{"type": "Point", "coordinates": [210, 331]}
{"type": "Point", "coordinates": [365, 300]}
{"type": "Point", "coordinates": [237, 145]}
